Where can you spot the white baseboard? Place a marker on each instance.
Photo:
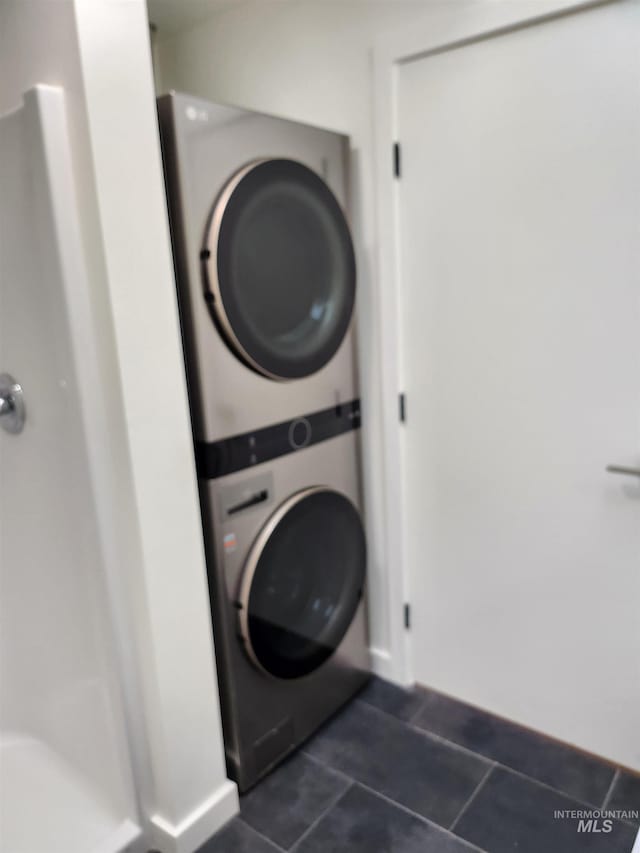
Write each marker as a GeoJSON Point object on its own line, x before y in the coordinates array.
{"type": "Point", "coordinates": [200, 825]}
{"type": "Point", "coordinates": [126, 839]}
{"type": "Point", "coordinates": [382, 665]}
{"type": "Point", "coordinates": [380, 662]}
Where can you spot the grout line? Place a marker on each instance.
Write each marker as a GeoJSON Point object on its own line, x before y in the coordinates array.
{"type": "Point", "coordinates": [465, 750]}
{"type": "Point", "coordinates": [407, 722]}
{"type": "Point", "coordinates": [334, 801]}
{"type": "Point", "coordinates": [607, 796]}
{"type": "Point", "coordinates": [457, 746]}
{"type": "Point", "coordinates": [546, 785]}
{"type": "Point", "coordinates": [398, 805]}
{"type": "Point", "coordinates": [420, 817]}
{"type": "Point", "coordinates": [412, 719]}
{"type": "Point", "coordinates": [388, 714]}
{"type": "Point", "coordinates": [491, 761]}
{"type": "Point", "coordinates": [328, 766]}
{"type": "Point", "coordinates": [472, 797]}
{"type": "Point", "coordinates": [560, 793]}
{"type": "Point", "coordinates": [499, 718]}
{"type": "Point", "coordinates": [261, 834]}
{"type": "Point", "coordinates": [508, 767]}
{"type": "Point", "coordinates": [431, 735]}
{"type": "Point", "coordinates": [477, 755]}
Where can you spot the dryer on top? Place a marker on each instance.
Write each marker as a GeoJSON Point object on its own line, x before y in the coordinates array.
{"type": "Point", "coordinates": [265, 264]}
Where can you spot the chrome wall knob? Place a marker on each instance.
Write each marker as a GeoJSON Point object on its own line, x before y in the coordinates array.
{"type": "Point", "coordinates": [12, 409]}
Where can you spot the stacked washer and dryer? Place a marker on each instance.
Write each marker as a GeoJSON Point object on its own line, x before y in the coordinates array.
{"type": "Point", "coordinates": [266, 282]}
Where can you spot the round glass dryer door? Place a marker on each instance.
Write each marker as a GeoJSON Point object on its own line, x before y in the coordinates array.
{"type": "Point", "coordinates": [302, 582]}
{"type": "Point", "coordinates": [279, 268]}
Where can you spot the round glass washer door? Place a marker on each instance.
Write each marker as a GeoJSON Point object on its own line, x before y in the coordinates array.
{"type": "Point", "coordinates": [302, 582]}
{"type": "Point", "coordinates": [279, 268]}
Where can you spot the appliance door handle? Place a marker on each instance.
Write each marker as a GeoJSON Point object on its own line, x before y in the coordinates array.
{"type": "Point", "coordinates": [623, 469]}
{"type": "Point", "coordinates": [254, 500]}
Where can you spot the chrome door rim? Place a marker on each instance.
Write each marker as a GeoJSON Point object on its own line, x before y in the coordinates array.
{"type": "Point", "coordinates": [211, 264]}
{"type": "Point", "coordinates": [211, 267]}
{"type": "Point", "coordinates": [251, 564]}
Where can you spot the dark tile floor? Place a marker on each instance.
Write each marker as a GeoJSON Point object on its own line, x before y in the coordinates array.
{"type": "Point", "coordinates": [412, 771]}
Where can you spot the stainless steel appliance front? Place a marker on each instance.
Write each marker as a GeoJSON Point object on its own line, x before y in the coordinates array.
{"type": "Point", "coordinates": [308, 651]}
{"type": "Point", "coordinates": [264, 262]}
{"type": "Point", "coordinates": [266, 282]}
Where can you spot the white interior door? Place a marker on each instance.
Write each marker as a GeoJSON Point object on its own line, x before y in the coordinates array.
{"type": "Point", "coordinates": [519, 209]}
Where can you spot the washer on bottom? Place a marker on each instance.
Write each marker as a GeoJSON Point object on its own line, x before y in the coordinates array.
{"type": "Point", "coordinates": [286, 556]}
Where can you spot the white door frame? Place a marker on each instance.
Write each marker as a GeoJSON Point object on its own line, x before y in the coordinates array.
{"type": "Point", "coordinates": [449, 25]}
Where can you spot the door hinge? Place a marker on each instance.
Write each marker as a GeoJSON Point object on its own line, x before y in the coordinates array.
{"type": "Point", "coordinates": [396, 159]}
{"type": "Point", "coordinates": [407, 616]}
{"type": "Point", "coordinates": [402, 407]}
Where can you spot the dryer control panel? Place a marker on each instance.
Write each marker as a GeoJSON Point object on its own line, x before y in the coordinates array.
{"type": "Point", "coordinates": [218, 458]}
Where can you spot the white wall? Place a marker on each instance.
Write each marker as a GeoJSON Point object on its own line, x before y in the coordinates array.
{"type": "Point", "coordinates": [311, 62]}
{"type": "Point", "coordinates": [139, 442]}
